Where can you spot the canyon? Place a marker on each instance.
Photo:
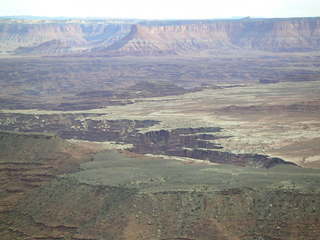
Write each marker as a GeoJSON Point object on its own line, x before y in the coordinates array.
{"type": "Point", "coordinates": [129, 129]}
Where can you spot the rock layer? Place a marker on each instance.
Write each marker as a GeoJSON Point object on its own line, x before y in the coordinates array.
{"type": "Point", "coordinates": [270, 35]}
{"type": "Point", "coordinates": [159, 37]}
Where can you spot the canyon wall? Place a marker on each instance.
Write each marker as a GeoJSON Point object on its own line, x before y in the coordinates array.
{"type": "Point", "coordinates": [52, 38]}
{"type": "Point", "coordinates": [269, 35]}
{"type": "Point", "coordinates": [158, 38]}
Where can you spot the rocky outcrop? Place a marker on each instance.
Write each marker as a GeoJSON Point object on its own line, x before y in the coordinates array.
{"type": "Point", "coordinates": [196, 143]}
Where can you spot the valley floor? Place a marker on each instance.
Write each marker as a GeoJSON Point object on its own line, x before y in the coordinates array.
{"type": "Point", "coordinates": [161, 156]}
{"type": "Point", "coordinates": [280, 120]}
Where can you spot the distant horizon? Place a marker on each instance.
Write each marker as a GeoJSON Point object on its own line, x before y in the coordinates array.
{"type": "Point", "coordinates": [161, 10]}
{"type": "Point", "coordinates": [150, 19]}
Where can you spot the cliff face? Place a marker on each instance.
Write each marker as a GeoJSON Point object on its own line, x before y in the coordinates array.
{"type": "Point", "coordinates": [270, 35]}
{"type": "Point", "coordinates": [286, 35]}
{"type": "Point", "coordinates": [150, 38]}
{"type": "Point", "coordinates": [48, 38]}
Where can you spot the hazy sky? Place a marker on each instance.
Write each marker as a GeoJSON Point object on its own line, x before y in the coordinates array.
{"type": "Point", "coordinates": [156, 9]}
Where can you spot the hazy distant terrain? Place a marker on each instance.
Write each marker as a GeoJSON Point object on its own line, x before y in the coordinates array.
{"type": "Point", "coordinates": [121, 38]}
{"type": "Point", "coordinates": [169, 130]}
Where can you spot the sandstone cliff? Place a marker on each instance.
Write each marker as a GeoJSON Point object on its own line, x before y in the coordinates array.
{"type": "Point", "coordinates": [158, 38]}
{"type": "Point", "coordinates": [57, 37]}
{"type": "Point", "coordinates": [270, 35]}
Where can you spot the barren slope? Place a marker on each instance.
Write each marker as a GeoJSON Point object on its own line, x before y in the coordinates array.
{"type": "Point", "coordinates": [119, 197]}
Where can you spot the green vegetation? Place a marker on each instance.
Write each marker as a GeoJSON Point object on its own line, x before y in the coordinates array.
{"type": "Point", "coordinates": [132, 198]}
{"type": "Point", "coordinates": [148, 174]}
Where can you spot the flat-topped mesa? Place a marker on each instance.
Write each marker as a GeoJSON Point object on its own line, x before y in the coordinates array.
{"type": "Point", "coordinates": [173, 39]}
{"type": "Point", "coordinates": [270, 35]}
{"type": "Point", "coordinates": [161, 37]}
{"type": "Point", "coordinates": [179, 38]}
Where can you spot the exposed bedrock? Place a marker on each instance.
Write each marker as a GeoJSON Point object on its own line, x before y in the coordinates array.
{"type": "Point", "coordinates": [77, 126]}
{"type": "Point", "coordinates": [197, 143]}
{"type": "Point", "coordinates": [189, 143]}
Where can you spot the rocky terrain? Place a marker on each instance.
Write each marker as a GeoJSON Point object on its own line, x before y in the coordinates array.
{"type": "Point", "coordinates": [113, 195]}
{"type": "Point", "coordinates": [163, 130]}
{"type": "Point", "coordinates": [69, 83]}
{"type": "Point", "coordinates": [182, 142]}
{"type": "Point", "coordinates": [141, 38]}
